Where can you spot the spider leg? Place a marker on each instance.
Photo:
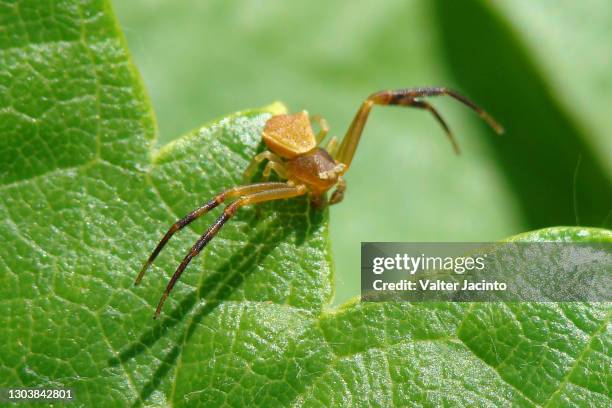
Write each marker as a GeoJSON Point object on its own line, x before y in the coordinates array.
{"type": "Point", "coordinates": [198, 212]}
{"type": "Point", "coordinates": [323, 126]}
{"type": "Point", "coordinates": [332, 146]}
{"type": "Point", "coordinates": [338, 193]}
{"type": "Point", "coordinates": [276, 167]}
{"type": "Point", "coordinates": [426, 105]}
{"type": "Point", "coordinates": [402, 97]}
{"type": "Point", "coordinates": [286, 191]}
{"type": "Point", "coordinates": [265, 155]}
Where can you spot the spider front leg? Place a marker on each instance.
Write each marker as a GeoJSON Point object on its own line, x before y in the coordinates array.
{"type": "Point", "coordinates": [198, 212]}
{"type": "Point", "coordinates": [402, 97]}
{"type": "Point", "coordinates": [284, 191]}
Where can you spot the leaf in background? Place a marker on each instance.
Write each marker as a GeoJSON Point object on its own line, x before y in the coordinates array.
{"type": "Point", "coordinates": [566, 41]}
{"type": "Point", "coordinates": [83, 200]}
{"type": "Point", "coordinates": [559, 174]}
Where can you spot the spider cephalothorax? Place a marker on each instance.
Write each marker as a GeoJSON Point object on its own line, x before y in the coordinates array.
{"type": "Point", "coordinates": [295, 155]}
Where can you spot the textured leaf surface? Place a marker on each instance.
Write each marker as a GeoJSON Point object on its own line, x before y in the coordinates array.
{"type": "Point", "coordinates": [83, 198]}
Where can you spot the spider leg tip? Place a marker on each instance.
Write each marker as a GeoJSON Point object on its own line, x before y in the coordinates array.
{"type": "Point", "coordinates": [141, 273]}
{"type": "Point", "coordinates": [499, 129]}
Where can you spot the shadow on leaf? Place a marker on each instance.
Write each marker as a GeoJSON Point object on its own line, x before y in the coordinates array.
{"type": "Point", "coordinates": [222, 284]}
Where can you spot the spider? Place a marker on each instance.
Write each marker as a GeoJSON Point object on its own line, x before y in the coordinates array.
{"type": "Point", "coordinates": [294, 155]}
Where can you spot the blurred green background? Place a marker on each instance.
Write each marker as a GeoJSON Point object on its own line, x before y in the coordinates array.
{"type": "Point", "coordinates": [543, 69]}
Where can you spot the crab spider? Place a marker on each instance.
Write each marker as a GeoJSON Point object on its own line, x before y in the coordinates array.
{"type": "Point", "coordinates": [295, 155]}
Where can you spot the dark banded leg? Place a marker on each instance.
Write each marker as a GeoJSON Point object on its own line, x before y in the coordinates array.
{"type": "Point", "coordinates": [401, 97]}
{"type": "Point", "coordinates": [198, 212]}
{"type": "Point", "coordinates": [426, 105]}
{"type": "Point", "coordinates": [286, 191]}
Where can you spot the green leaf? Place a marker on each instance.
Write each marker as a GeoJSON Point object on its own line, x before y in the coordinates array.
{"type": "Point", "coordinates": [84, 198]}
